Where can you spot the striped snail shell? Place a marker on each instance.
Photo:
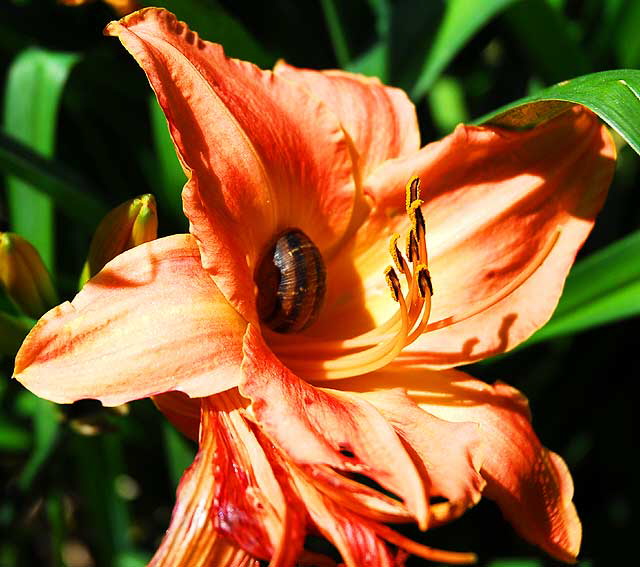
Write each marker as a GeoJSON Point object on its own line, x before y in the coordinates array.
{"type": "Point", "coordinates": [291, 280]}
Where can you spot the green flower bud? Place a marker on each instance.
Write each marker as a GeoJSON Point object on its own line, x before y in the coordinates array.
{"type": "Point", "coordinates": [128, 225]}
{"type": "Point", "coordinates": [24, 277]}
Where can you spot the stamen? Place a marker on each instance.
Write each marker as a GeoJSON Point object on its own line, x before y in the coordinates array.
{"type": "Point", "coordinates": [424, 281]}
{"type": "Point", "coordinates": [393, 282]}
{"type": "Point", "coordinates": [413, 252]}
{"type": "Point", "coordinates": [429, 553]}
{"type": "Point", "coordinates": [362, 362]}
{"type": "Point", "coordinates": [312, 358]}
{"type": "Point", "coordinates": [398, 258]}
{"type": "Point", "coordinates": [412, 191]}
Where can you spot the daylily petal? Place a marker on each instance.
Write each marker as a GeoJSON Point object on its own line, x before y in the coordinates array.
{"type": "Point", "coordinates": [182, 411]}
{"type": "Point", "coordinates": [192, 538]}
{"type": "Point", "coordinates": [316, 426]}
{"type": "Point", "coordinates": [118, 339]}
{"type": "Point", "coordinates": [502, 209]}
{"type": "Point", "coordinates": [380, 120]}
{"type": "Point", "coordinates": [262, 155]}
{"type": "Point", "coordinates": [530, 483]}
{"type": "Point", "coordinates": [353, 536]}
{"type": "Point", "coordinates": [250, 507]}
{"type": "Point", "coordinates": [450, 453]}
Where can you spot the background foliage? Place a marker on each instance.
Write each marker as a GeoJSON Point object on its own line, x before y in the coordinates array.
{"type": "Point", "coordinates": [81, 133]}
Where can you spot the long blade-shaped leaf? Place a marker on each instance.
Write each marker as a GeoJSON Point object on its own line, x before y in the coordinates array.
{"type": "Point", "coordinates": [600, 289]}
{"type": "Point", "coordinates": [613, 95]}
{"type": "Point", "coordinates": [66, 188]}
{"type": "Point", "coordinates": [32, 96]}
{"type": "Point", "coordinates": [462, 19]}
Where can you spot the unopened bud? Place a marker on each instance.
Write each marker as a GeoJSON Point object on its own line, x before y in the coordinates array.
{"type": "Point", "coordinates": [120, 7]}
{"type": "Point", "coordinates": [128, 225]}
{"type": "Point", "coordinates": [24, 277]}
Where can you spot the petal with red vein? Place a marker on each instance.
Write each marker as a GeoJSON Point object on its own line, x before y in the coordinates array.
{"type": "Point", "coordinates": [380, 120]}
{"type": "Point", "coordinates": [316, 426]}
{"type": "Point", "coordinates": [250, 507]}
{"type": "Point", "coordinates": [192, 538]}
{"type": "Point", "coordinates": [530, 483]}
{"type": "Point", "coordinates": [353, 536]}
{"type": "Point", "coordinates": [151, 321]}
{"type": "Point", "coordinates": [262, 154]}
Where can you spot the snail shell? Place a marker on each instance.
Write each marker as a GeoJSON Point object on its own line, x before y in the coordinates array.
{"type": "Point", "coordinates": [291, 280]}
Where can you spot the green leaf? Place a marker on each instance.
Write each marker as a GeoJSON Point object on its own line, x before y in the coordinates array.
{"type": "Point", "coordinates": [627, 38]}
{"type": "Point", "coordinates": [613, 95]}
{"type": "Point", "coordinates": [180, 453]}
{"type": "Point", "coordinates": [447, 104]}
{"type": "Point", "coordinates": [547, 40]}
{"type": "Point", "coordinates": [375, 61]}
{"type": "Point", "coordinates": [34, 86]}
{"type": "Point", "coordinates": [600, 289]}
{"type": "Point", "coordinates": [462, 20]}
{"type": "Point", "coordinates": [336, 32]}
{"type": "Point", "coordinates": [44, 417]}
{"type": "Point", "coordinates": [71, 194]}
{"type": "Point", "coordinates": [13, 437]}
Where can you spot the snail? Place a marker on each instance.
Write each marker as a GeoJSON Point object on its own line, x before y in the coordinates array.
{"type": "Point", "coordinates": [291, 280]}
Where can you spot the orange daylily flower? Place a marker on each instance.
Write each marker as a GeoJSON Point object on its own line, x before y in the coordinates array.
{"type": "Point", "coordinates": [296, 186]}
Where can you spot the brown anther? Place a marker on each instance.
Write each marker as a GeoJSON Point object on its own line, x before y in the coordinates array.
{"type": "Point", "coordinates": [398, 259]}
{"type": "Point", "coordinates": [393, 282]}
{"type": "Point", "coordinates": [421, 227]}
{"type": "Point", "coordinates": [424, 281]}
{"type": "Point", "coordinates": [412, 192]}
{"type": "Point", "coordinates": [413, 252]}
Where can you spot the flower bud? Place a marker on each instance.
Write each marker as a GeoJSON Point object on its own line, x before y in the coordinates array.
{"type": "Point", "coordinates": [24, 277]}
{"type": "Point", "coordinates": [132, 223]}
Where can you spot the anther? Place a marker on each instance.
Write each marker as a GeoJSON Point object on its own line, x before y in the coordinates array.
{"type": "Point", "coordinates": [412, 191]}
{"type": "Point", "coordinates": [397, 257]}
{"type": "Point", "coordinates": [393, 282]}
{"type": "Point", "coordinates": [421, 228]}
{"type": "Point", "coordinates": [424, 281]}
{"type": "Point", "coordinates": [412, 247]}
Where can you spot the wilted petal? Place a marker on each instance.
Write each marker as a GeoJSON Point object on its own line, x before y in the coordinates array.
{"type": "Point", "coordinates": [380, 120]}
{"type": "Point", "coordinates": [530, 483]}
{"type": "Point", "coordinates": [316, 426]}
{"type": "Point", "coordinates": [262, 155]}
{"type": "Point", "coordinates": [151, 321]}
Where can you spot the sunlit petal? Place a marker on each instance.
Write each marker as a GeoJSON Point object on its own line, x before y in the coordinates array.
{"type": "Point", "coordinates": [381, 121]}
{"type": "Point", "coordinates": [117, 341]}
{"type": "Point", "coordinates": [530, 483]}
{"type": "Point", "coordinates": [326, 427]}
{"type": "Point", "coordinates": [500, 207]}
{"type": "Point", "coordinates": [261, 153]}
